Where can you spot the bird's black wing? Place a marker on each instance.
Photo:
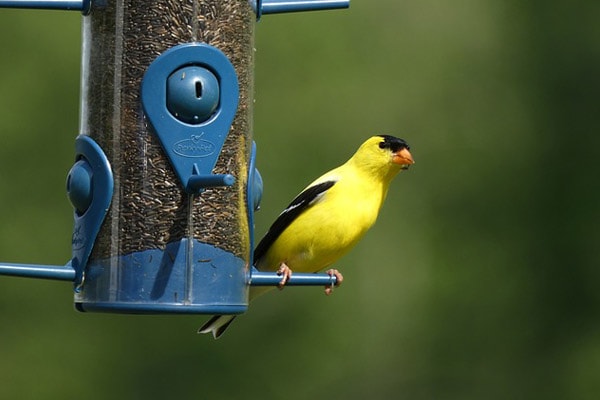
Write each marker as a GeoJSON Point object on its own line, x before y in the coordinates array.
{"type": "Point", "coordinates": [296, 207]}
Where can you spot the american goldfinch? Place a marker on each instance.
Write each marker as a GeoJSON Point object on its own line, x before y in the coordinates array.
{"type": "Point", "coordinates": [328, 217]}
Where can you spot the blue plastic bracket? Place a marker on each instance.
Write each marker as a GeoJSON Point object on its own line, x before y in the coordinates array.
{"type": "Point", "coordinates": [192, 148]}
{"type": "Point", "coordinates": [75, 5]}
{"type": "Point", "coordinates": [98, 184]}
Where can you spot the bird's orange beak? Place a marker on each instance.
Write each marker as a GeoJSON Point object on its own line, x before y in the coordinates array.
{"type": "Point", "coordinates": [403, 157]}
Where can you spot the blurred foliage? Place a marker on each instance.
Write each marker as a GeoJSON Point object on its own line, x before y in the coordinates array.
{"type": "Point", "coordinates": [477, 282]}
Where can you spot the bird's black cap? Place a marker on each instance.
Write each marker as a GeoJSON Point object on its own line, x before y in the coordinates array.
{"type": "Point", "coordinates": [393, 143]}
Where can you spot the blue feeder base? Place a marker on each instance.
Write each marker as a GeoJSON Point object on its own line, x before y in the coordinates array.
{"type": "Point", "coordinates": [186, 277]}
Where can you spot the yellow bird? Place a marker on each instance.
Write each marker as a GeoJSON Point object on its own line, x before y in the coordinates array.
{"type": "Point", "coordinates": [327, 218]}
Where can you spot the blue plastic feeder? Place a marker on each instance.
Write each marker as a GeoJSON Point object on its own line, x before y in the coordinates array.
{"type": "Point", "coordinates": [164, 185]}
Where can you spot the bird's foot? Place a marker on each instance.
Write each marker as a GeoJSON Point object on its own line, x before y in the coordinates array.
{"type": "Point", "coordinates": [285, 273]}
{"type": "Point", "coordinates": [338, 282]}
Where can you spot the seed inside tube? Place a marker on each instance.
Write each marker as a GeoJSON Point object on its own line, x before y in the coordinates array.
{"type": "Point", "coordinates": [149, 207]}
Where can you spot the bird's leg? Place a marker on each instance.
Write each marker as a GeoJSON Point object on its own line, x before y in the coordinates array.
{"type": "Point", "coordinates": [285, 272]}
{"type": "Point", "coordinates": [338, 282]}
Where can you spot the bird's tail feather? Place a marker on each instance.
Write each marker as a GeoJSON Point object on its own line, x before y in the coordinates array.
{"type": "Point", "coordinates": [217, 325]}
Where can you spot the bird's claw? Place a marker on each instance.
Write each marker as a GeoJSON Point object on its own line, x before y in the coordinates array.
{"type": "Point", "coordinates": [339, 278]}
{"type": "Point", "coordinates": [285, 273]}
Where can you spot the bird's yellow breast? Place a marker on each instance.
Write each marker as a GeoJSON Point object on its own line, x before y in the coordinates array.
{"type": "Point", "coordinates": [329, 228]}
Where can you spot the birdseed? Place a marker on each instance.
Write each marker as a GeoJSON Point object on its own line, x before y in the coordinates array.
{"type": "Point", "coordinates": [149, 207]}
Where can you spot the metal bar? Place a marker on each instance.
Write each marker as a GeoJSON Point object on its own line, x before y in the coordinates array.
{"type": "Point", "coordinates": [57, 272]}
{"type": "Point", "coordinates": [259, 278]}
{"type": "Point", "coordinates": [76, 5]}
{"type": "Point", "coordinates": [278, 6]}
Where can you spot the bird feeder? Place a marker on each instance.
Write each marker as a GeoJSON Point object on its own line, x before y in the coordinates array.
{"type": "Point", "coordinates": [164, 185]}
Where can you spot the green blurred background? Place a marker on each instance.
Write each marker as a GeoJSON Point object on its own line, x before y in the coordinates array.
{"type": "Point", "coordinates": [480, 279]}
